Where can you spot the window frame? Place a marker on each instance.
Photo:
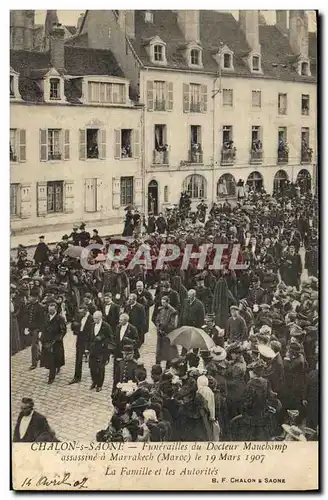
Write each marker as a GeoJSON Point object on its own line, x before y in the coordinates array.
{"type": "Point", "coordinates": [158, 53]}
{"type": "Point", "coordinates": [258, 59]}
{"type": "Point", "coordinates": [54, 185]}
{"type": "Point", "coordinates": [201, 190]}
{"type": "Point", "coordinates": [192, 52]}
{"type": "Point", "coordinates": [259, 93]}
{"type": "Point", "coordinates": [56, 80]}
{"type": "Point", "coordinates": [227, 54]}
{"type": "Point", "coordinates": [125, 197]}
{"type": "Point", "coordinates": [224, 93]}
{"type": "Point", "coordinates": [17, 200]}
{"type": "Point", "coordinates": [307, 96]}
{"type": "Point", "coordinates": [282, 111]}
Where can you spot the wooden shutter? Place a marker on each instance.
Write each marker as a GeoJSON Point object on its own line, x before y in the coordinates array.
{"type": "Point", "coordinates": [25, 201]}
{"type": "Point", "coordinates": [82, 144]}
{"type": "Point", "coordinates": [90, 85]}
{"type": "Point", "coordinates": [204, 97]}
{"type": "Point", "coordinates": [22, 144]}
{"type": "Point", "coordinates": [117, 145]}
{"type": "Point", "coordinates": [169, 96]}
{"type": "Point", "coordinates": [150, 95]}
{"type": "Point", "coordinates": [68, 196]}
{"type": "Point", "coordinates": [41, 198]}
{"type": "Point", "coordinates": [99, 195]}
{"type": "Point", "coordinates": [90, 195]}
{"type": "Point", "coordinates": [102, 143]}
{"type": "Point", "coordinates": [116, 192]}
{"type": "Point", "coordinates": [66, 146]}
{"type": "Point", "coordinates": [43, 145]}
{"type": "Point", "coordinates": [135, 143]}
{"type": "Point", "coordinates": [186, 98]}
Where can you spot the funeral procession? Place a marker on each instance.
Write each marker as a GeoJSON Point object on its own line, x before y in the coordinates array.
{"type": "Point", "coordinates": [164, 213]}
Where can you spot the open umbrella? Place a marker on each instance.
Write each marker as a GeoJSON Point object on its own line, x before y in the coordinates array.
{"type": "Point", "coordinates": [73, 252]}
{"type": "Point", "coordinates": [191, 338]}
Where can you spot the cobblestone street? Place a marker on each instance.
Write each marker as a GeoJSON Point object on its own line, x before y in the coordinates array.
{"type": "Point", "coordinates": [73, 411]}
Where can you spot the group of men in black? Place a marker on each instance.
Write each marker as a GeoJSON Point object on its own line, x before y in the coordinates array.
{"type": "Point", "coordinates": [262, 375]}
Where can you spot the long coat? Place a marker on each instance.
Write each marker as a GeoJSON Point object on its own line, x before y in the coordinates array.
{"type": "Point", "coordinates": [137, 318]}
{"type": "Point", "coordinates": [192, 422]}
{"type": "Point", "coordinates": [52, 342]}
{"type": "Point", "coordinates": [83, 338]}
{"type": "Point", "coordinates": [192, 314]}
{"type": "Point", "coordinates": [166, 321]}
{"type": "Point", "coordinates": [130, 333]}
{"type": "Point", "coordinates": [38, 425]}
{"type": "Point", "coordinates": [100, 343]}
{"type": "Point", "coordinates": [113, 315]}
{"type": "Point", "coordinates": [41, 253]}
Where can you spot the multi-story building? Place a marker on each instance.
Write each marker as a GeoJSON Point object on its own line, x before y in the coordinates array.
{"type": "Point", "coordinates": [224, 99]}
{"type": "Point", "coordinates": [75, 138]}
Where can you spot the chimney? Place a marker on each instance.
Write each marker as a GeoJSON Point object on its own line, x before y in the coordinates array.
{"type": "Point", "coordinates": [281, 20]}
{"type": "Point", "coordinates": [249, 23]}
{"type": "Point", "coordinates": [188, 21]}
{"type": "Point", "coordinates": [130, 24]}
{"type": "Point", "coordinates": [299, 32]}
{"type": "Point", "coordinates": [57, 47]}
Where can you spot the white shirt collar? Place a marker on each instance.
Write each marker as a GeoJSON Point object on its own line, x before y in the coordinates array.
{"type": "Point", "coordinates": [24, 423]}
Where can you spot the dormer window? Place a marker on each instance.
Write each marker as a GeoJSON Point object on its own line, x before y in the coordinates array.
{"type": "Point", "coordinates": [304, 68]}
{"type": "Point", "coordinates": [227, 61]}
{"type": "Point", "coordinates": [149, 17]}
{"type": "Point", "coordinates": [195, 57]}
{"type": "Point", "coordinates": [54, 92]}
{"type": "Point", "coordinates": [255, 63]}
{"type": "Point", "coordinates": [13, 85]}
{"type": "Point", "coordinates": [158, 53]}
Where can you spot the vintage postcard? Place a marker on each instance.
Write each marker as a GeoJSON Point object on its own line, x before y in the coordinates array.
{"type": "Point", "coordinates": [164, 271]}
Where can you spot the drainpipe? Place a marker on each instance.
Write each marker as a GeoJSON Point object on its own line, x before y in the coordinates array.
{"type": "Point", "coordinates": [214, 93]}
{"type": "Point", "coordinates": [143, 160]}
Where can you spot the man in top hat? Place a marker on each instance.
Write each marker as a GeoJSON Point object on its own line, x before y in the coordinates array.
{"type": "Point", "coordinates": [137, 317]}
{"type": "Point", "coordinates": [54, 330]}
{"type": "Point", "coordinates": [215, 332]}
{"type": "Point", "coordinates": [236, 329]}
{"type": "Point", "coordinates": [41, 253]}
{"type": "Point", "coordinates": [125, 368]}
{"type": "Point", "coordinates": [84, 236]}
{"type": "Point", "coordinates": [82, 328]}
{"type": "Point", "coordinates": [204, 294]}
{"type": "Point", "coordinates": [101, 339]}
{"type": "Point", "coordinates": [110, 310]}
{"type": "Point", "coordinates": [145, 298]}
{"type": "Point", "coordinates": [246, 313]}
{"type": "Point", "coordinates": [30, 425]}
{"type": "Point", "coordinates": [75, 235]}
{"type": "Point", "coordinates": [125, 330]}
{"type": "Point", "coordinates": [89, 302]}
{"type": "Point", "coordinates": [35, 319]}
{"type": "Point", "coordinates": [192, 311]}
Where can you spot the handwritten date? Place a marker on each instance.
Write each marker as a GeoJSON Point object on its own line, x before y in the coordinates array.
{"type": "Point", "coordinates": [57, 480]}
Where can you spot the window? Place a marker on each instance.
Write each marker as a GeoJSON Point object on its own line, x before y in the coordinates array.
{"type": "Point", "coordinates": [282, 134]}
{"type": "Point", "coordinates": [306, 151]}
{"type": "Point", "coordinates": [305, 104]}
{"type": "Point", "coordinates": [158, 53]}
{"type": "Point", "coordinates": [54, 144]}
{"type": "Point", "coordinates": [256, 98]}
{"type": "Point", "coordinates": [195, 97]}
{"type": "Point", "coordinates": [55, 192]}
{"type": "Point", "coordinates": [92, 143]}
{"type": "Point", "coordinates": [195, 185]}
{"type": "Point", "coordinates": [283, 148]}
{"type": "Point", "coordinates": [108, 93]}
{"type": "Point", "coordinates": [12, 88]}
{"type": "Point", "coordinates": [227, 61]}
{"type": "Point", "coordinates": [227, 134]}
{"type": "Point", "coordinates": [195, 57]}
{"type": "Point", "coordinates": [226, 186]}
{"type": "Point", "coordinates": [14, 190]}
{"type": "Point", "coordinates": [126, 191]}
{"type": "Point", "coordinates": [304, 68]}
{"type": "Point", "coordinates": [159, 96]}
{"type": "Point", "coordinates": [17, 145]}
{"type": "Point", "coordinates": [282, 104]}
{"type": "Point", "coordinates": [256, 135]}
{"type": "Point", "coordinates": [166, 194]}
{"type": "Point", "coordinates": [256, 147]}
{"type": "Point", "coordinates": [54, 88]}
{"type": "Point", "coordinates": [256, 63]}
{"type": "Point", "coordinates": [227, 97]}
{"type": "Point", "coordinates": [126, 143]}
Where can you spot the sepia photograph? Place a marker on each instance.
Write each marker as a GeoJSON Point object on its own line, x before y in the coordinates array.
{"type": "Point", "coordinates": [164, 249]}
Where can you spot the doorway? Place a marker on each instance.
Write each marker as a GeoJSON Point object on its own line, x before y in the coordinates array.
{"type": "Point", "coordinates": [153, 198]}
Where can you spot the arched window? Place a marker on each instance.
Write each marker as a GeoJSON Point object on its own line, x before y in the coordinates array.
{"type": "Point", "coordinates": [166, 194]}
{"type": "Point", "coordinates": [195, 185]}
{"type": "Point", "coordinates": [304, 181]}
{"type": "Point", "coordinates": [279, 182]}
{"type": "Point", "coordinates": [255, 181]}
{"type": "Point", "coordinates": [226, 186]}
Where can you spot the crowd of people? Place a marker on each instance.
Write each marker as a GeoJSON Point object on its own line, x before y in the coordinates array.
{"type": "Point", "coordinates": [258, 382]}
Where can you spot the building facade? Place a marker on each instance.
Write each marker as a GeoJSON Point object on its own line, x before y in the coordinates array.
{"type": "Point", "coordinates": [75, 139]}
{"type": "Point", "coordinates": [224, 100]}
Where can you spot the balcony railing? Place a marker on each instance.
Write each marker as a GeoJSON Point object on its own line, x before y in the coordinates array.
{"type": "Point", "coordinates": [195, 107]}
{"type": "Point", "coordinates": [306, 156]}
{"type": "Point", "coordinates": [282, 156]}
{"type": "Point", "coordinates": [160, 157]}
{"type": "Point", "coordinates": [305, 111]}
{"type": "Point", "coordinates": [256, 157]}
{"type": "Point", "coordinates": [54, 156]}
{"type": "Point", "coordinates": [228, 156]}
{"type": "Point", "coordinates": [195, 157]}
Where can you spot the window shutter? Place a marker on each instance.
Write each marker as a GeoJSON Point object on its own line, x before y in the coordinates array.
{"type": "Point", "coordinates": [102, 142]}
{"type": "Point", "coordinates": [22, 144]}
{"type": "Point", "coordinates": [41, 198]}
{"type": "Point", "coordinates": [169, 94]}
{"type": "Point", "coordinates": [150, 95]}
{"type": "Point", "coordinates": [136, 143]}
{"type": "Point", "coordinates": [89, 195]}
{"type": "Point", "coordinates": [99, 196]}
{"type": "Point", "coordinates": [43, 145]}
{"type": "Point", "coordinates": [204, 97]}
{"type": "Point", "coordinates": [89, 91]}
{"type": "Point", "coordinates": [68, 196]}
{"type": "Point", "coordinates": [186, 98]}
{"type": "Point", "coordinates": [83, 144]}
{"type": "Point", "coordinates": [117, 144]}
{"type": "Point", "coordinates": [25, 200]}
{"type": "Point", "coordinates": [116, 192]}
{"type": "Point", "coordinates": [66, 144]}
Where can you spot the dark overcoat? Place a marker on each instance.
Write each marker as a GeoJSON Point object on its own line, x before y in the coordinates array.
{"type": "Point", "coordinates": [52, 342]}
